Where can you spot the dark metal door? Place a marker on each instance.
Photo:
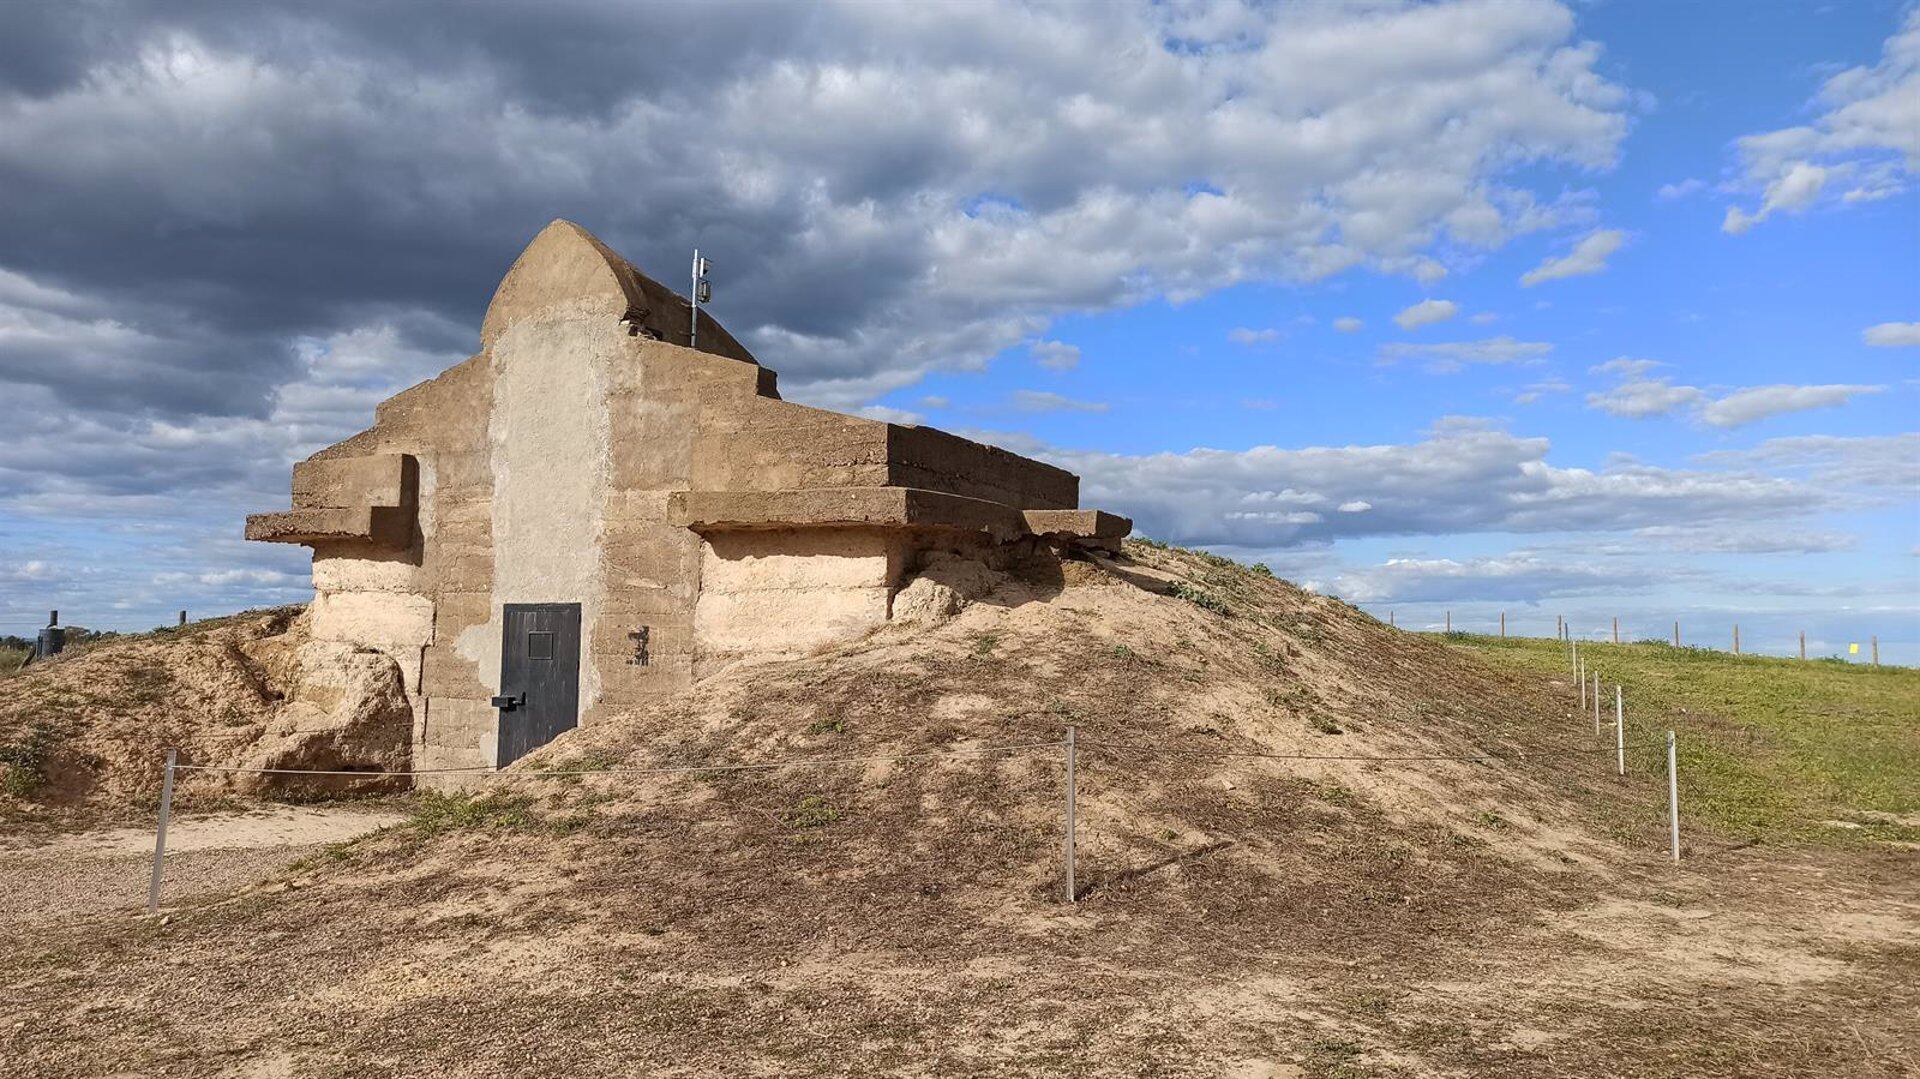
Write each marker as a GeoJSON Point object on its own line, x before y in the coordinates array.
{"type": "Point", "coordinates": [539, 676]}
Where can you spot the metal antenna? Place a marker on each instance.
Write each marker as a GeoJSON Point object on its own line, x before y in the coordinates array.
{"type": "Point", "coordinates": [702, 291]}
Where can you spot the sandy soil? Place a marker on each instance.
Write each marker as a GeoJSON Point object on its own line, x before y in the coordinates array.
{"type": "Point", "coordinates": [72, 876]}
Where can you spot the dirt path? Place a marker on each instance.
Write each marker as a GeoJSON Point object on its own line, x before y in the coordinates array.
{"type": "Point", "coordinates": [86, 873]}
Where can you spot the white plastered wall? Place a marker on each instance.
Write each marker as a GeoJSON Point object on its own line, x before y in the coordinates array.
{"type": "Point", "coordinates": [548, 443]}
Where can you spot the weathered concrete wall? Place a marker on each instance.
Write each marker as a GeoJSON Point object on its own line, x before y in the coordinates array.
{"type": "Point", "coordinates": [579, 458]}
{"type": "Point", "coordinates": [767, 593]}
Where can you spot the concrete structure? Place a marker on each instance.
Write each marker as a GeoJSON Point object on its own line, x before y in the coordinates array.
{"type": "Point", "coordinates": [588, 513]}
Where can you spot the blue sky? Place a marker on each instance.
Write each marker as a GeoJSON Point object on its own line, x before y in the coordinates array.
{"type": "Point", "coordinates": [1606, 309]}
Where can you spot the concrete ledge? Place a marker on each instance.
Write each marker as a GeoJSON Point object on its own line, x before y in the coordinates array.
{"type": "Point", "coordinates": [1092, 528]}
{"type": "Point", "coordinates": [387, 526]}
{"type": "Point", "coordinates": [881, 507]}
{"type": "Point", "coordinates": [380, 479]}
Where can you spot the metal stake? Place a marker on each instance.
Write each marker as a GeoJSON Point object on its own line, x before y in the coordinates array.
{"type": "Point", "coordinates": [1673, 794]}
{"type": "Point", "coordinates": [1596, 704]}
{"type": "Point", "coordinates": [1620, 726]}
{"type": "Point", "coordinates": [160, 833]}
{"type": "Point", "coordinates": [1073, 895]}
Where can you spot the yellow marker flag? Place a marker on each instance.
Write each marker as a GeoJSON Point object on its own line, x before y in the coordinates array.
{"type": "Point", "coordinates": [1853, 650]}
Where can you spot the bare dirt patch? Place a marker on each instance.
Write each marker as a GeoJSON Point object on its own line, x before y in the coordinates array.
{"type": "Point", "coordinates": [73, 876]}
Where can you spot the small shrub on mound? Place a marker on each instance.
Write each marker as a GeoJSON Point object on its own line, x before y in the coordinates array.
{"type": "Point", "coordinates": [439, 813]}
{"type": "Point", "coordinates": [26, 760]}
{"type": "Point", "coordinates": [1204, 600]}
{"type": "Point", "coordinates": [813, 811]}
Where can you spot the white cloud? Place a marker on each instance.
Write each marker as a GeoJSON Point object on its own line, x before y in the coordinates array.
{"type": "Point", "coordinates": [1449, 356]}
{"type": "Point", "coordinates": [1055, 355]}
{"type": "Point", "coordinates": [1892, 334]}
{"type": "Point", "coordinates": [1763, 402]}
{"type": "Point", "coordinates": [1243, 335]}
{"type": "Point", "coordinates": [1792, 191]}
{"type": "Point", "coordinates": [1866, 134]}
{"type": "Point", "coordinates": [1741, 540]}
{"type": "Point", "coordinates": [1891, 461]}
{"type": "Point", "coordinates": [1358, 505]}
{"type": "Point", "coordinates": [1466, 476]}
{"type": "Point", "coordinates": [1625, 367]}
{"type": "Point", "coordinates": [1348, 324]}
{"type": "Point", "coordinates": [1519, 576]}
{"type": "Point", "coordinates": [1589, 256]}
{"type": "Point", "coordinates": [1426, 313]}
{"type": "Point", "coordinates": [1484, 318]}
{"type": "Point", "coordinates": [1640, 398]}
{"type": "Point", "coordinates": [1537, 390]}
{"type": "Point", "coordinates": [935, 401]}
{"type": "Point", "coordinates": [1682, 189]}
{"type": "Point", "coordinates": [887, 414]}
{"type": "Point", "coordinates": [1042, 401]}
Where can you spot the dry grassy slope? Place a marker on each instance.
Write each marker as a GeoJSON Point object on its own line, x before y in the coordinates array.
{"type": "Point", "coordinates": [82, 737]}
{"type": "Point", "coordinates": [1239, 917]}
{"type": "Point", "coordinates": [1159, 687]}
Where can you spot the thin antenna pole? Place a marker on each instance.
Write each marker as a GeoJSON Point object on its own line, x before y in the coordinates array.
{"type": "Point", "coordinates": [693, 331]}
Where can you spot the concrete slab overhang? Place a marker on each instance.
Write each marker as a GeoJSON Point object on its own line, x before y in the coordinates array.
{"type": "Point", "coordinates": [886, 507]}
{"type": "Point", "coordinates": [371, 498]}
{"type": "Point", "coordinates": [385, 526]}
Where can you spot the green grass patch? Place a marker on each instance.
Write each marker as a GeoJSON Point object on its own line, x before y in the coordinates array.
{"type": "Point", "coordinates": [1769, 748]}
{"type": "Point", "coordinates": [813, 811]}
{"type": "Point", "coordinates": [25, 759]}
{"type": "Point", "coordinates": [1204, 600]}
{"type": "Point", "coordinates": [439, 813]}
{"type": "Point", "coordinates": [11, 659]}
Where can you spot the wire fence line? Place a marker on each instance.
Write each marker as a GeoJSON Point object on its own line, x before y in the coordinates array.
{"type": "Point", "coordinates": [758, 766]}
{"type": "Point", "coordinates": [483, 771]}
{"type": "Point", "coordinates": [1069, 748]}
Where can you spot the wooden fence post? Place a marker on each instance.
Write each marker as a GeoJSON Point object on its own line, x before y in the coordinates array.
{"type": "Point", "coordinates": [1803, 644]}
{"type": "Point", "coordinates": [1616, 629]}
{"type": "Point", "coordinates": [160, 834]}
{"type": "Point", "coordinates": [1503, 625]}
{"type": "Point", "coordinates": [1736, 638]}
{"type": "Point", "coordinates": [1073, 895]}
{"type": "Point", "coordinates": [1673, 794]}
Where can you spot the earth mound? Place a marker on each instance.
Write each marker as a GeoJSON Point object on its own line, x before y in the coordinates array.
{"type": "Point", "coordinates": [1308, 845]}
{"type": "Point", "coordinates": [84, 735]}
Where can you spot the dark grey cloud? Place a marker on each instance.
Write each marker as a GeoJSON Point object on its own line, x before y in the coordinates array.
{"type": "Point", "coordinates": [231, 228]}
{"type": "Point", "coordinates": [887, 189]}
